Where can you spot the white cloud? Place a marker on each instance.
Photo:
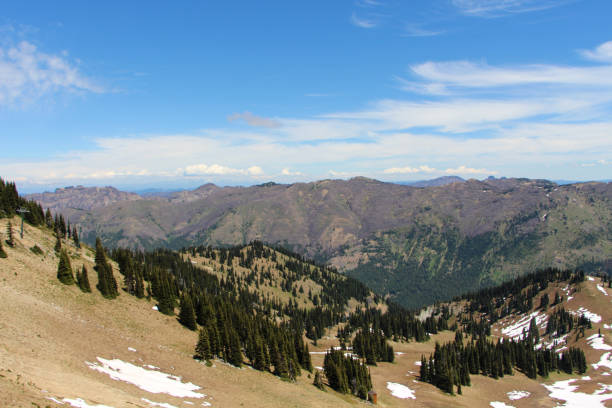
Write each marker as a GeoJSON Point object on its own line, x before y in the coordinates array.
{"type": "Point", "coordinates": [602, 53]}
{"type": "Point", "coordinates": [491, 120]}
{"type": "Point", "coordinates": [480, 75]}
{"type": "Point", "coordinates": [254, 120]}
{"type": "Point", "coordinates": [27, 74]}
{"type": "Point", "coordinates": [463, 170]}
{"type": "Point", "coordinates": [218, 170]}
{"type": "Point", "coordinates": [362, 22]}
{"type": "Point", "coordinates": [287, 172]}
{"type": "Point", "coordinates": [409, 170]}
{"type": "Point", "coordinates": [499, 8]}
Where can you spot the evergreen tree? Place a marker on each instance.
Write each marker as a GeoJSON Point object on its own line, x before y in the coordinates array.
{"type": "Point", "coordinates": [83, 280]}
{"type": "Point", "coordinates": [186, 314]}
{"type": "Point", "coordinates": [107, 285]}
{"type": "Point", "coordinates": [203, 351]}
{"type": "Point", "coordinates": [2, 252]}
{"type": "Point", "coordinates": [49, 219]}
{"type": "Point", "coordinates": [64, 270]}
{"type": "Point", "coordinates": [75, 238]}
{"type": "Point", "coordinates": [9, 233]}
{"type": "Point", "coordinates": [58, 242]}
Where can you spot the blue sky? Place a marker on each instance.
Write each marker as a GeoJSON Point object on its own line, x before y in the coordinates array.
{"type": "Point", "coordinates": [154, 94]}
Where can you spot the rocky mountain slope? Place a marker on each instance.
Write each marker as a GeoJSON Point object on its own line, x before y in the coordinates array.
{"type": "Point", "coordinates": [416, 244]}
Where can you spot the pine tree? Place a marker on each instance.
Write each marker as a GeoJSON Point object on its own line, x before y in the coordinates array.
{"type": "Point", "coordinates": [2, 252]}
{"type": "Point", "coordinates": [75, 238]}
{"type": "Point", "coordinates": [9, 233]}
{"type": "Point", "coordinates": [203, 351]}
{"type": "Point", "coordinates": [64, 270]}
{"type": "Point", "coordinates": [83, 280]}
{"type": "Point", "coordinates": [186, 314]}
{"type": "Point", "coordinates": [107, 285]}
{"type": "Point", "coordinates": [58, 242]}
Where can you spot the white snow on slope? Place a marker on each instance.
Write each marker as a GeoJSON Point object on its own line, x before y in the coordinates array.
{"type": "Point", "coordinates": [417, 363]}
{"type": "Point", "coordinates": [497, 404]}
{"type": "Point", "coordinates": [598, 342]}
{"type": "Point", "coordinates": [591, 278]}
{"type": "Point", "coordinates": [400, 391]}
{"type": "Point", "coordinates": [516, 330]}
{"type": "Point", "coordinates": [601, 288]}
{"type": "Point", "coordinates": [151, 381]}
{"type": "Point", "coordinates": [158, 404]}
{"type": "Point", "coordinates": [132, 349]}
{"type": "Point", "coordinates": [593, 317]}
{"type": "Point", "coordinates": [563, 390]}
{"type": "Point", "coordinates": [514, 395]}
{"type": "Point", "coordinates": [604, 361]}
{"type": "Point", "coordinates": [79, 403]}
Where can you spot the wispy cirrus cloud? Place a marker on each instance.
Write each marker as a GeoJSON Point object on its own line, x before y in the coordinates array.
{"type": "Point", "coordinates": [362, 22]}
{"type": "Point", "coordinates": [415, 30]}
{"type": "Point", "coordinates": [27, 74]}
{"type": "Point", "coordinates": [500, 8]}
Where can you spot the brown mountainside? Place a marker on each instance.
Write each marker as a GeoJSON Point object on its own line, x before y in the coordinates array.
{"type": "Point", "coordinates": [397, 239]}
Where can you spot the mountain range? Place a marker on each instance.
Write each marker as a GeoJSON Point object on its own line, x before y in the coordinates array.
{"type": "Point", "coordinates": [415, 244]}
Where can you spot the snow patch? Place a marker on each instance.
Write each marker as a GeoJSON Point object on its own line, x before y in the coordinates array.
{"type": "Point", "coordinates": [400, 391]}
{"type": "Point", "coordinates": [591, 278]}
{"type": "Point", "coordinates": [158, 404]}
{"type": "Point", "coordinates": [154, 308]}
{"type": "Point", "coordinates": [79, 403]}
{"type": "Point", "coordinates": [593, 317]}
{"type": "Point", "coordinates": [607, 326]}
{"type": "Point", "coordinates": [54, 399]}
{"type": "Point", "coordinates": [601, 288]}
{"type": "Point", "coordinates": [604, 361]}
{"type": "Point", "coordinates": [154, 382]}
{"type": "Point", "coordinates": [319, 368]}
{"type": "Point", "coordinates": [514, 395]}
{"type": "Point", "coordinates": [132, 349]}
{"type": "Point", "coordinates": [399, 353]}
{"type": "Point", "coordinates": [497, 404]}
{"type": "Point", "coordinates": [206, 404]}
{"type": "Point", "coordinates": [598, 342]}
{"type": "Point", "coordinates": [516, 330]}
{"type": "Point", "coordinates": [417, 363]}
{"type": "Point", "coordinates": [563, 390]}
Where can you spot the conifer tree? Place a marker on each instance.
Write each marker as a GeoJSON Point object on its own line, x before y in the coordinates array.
{"type": "Point", "coordinates": [64, 270]}
{"type": "Point", "coordinates": [9, 233]}
{"type": "Point", "coordinates": [203, 351]}
{"type": "Point", "coordinates": [75, 238]}
{"type": "Point", "coordinates": [83, 280]}
{"type": "Point", "coordinates": [107, 285]}
{"type": "Point", "coordinates": [49, 218]}
{"type": "Point", "coordinates": [186, 314]}
{"type": "Point", "coordinates": [2, 252]}
{"type": "Point", "coordinates": [58, 242]}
